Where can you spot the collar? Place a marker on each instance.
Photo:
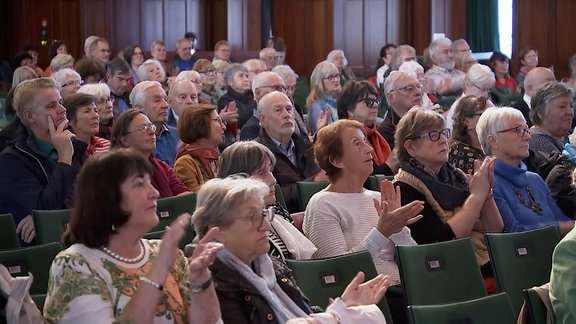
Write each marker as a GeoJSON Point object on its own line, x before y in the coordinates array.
{"type": "Point", "coordinates": [527, 99]}
{"type": "Point", "coordinates": [515, 174]}
{"type": "Point", "coordinates": [163, 129]}
{"type": "Point", "coordinates": [44, 147]}
{"type": "Point", "coordinates": [285, 150]}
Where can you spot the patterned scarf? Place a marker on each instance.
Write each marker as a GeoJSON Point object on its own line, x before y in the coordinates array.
{"type": "Point", "coordinates": [206, 156]}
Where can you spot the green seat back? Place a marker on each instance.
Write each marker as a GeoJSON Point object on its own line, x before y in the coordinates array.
{"type": "Point", "coordinates": [8, 237]}
{"type": "Point", "coordinates": [169, 209]}
{"type": "Point", "coordinates": [39, 300]}
{"type": "Point", "coordinates": [321, 279]}
{"type": "Point", "coordinates": [537, 311]}
{"type": "Point", "coordinates": [374, 180]}
{"type": "Point", "coordinates": [493, 309]}
{"type": "Point", "coordinates": [34, 259]}
{"type": "Point", "coordinates": [50, 224]}
{"type": "Point", "coordinates": [154, 235]}
{"type": "Point", "coordinates": [522, 260]}
{"type": "Point", "coordinates": [307, 189]}
{"type": "Point", "coordinates": [440, 273]}
{"type": "Point", "coordinates": [301, 93]}
{"type": "Point", "coordinates": [446, 102]}
{"type": "Point", "coordinates": [279, 196]}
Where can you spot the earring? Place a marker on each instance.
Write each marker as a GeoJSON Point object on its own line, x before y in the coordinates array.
{"type": "Point", "coordinates": [113, 227]}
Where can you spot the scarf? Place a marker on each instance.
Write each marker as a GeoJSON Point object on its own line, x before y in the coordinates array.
{"type": "Point", "coordinates": [263, 278]}
{"type": "Point", "coordinates": [381, 148]}
{"type": "Point", "coordinates": [449, 187]}
{"type": "Point", "coordinates": [206, 156]}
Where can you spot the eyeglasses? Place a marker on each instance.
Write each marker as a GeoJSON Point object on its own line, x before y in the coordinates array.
{"type": "Point", "coordinates": [209, 71]}
{"type": "Point", "coordinates": [370, 102]}
{"type": "Point", "coordinates": [73, 83]}
{"type": "Point", "coordinates": [434, 136]}
{"type": "Point", "coordinates": [290, 88]}
{"type": "Point", "coordinates": [219, 120]}
{"type": "Point", "coordinates": [462, 50]}
{"type": "Point", "coordinates": [144, 129]}
{"type": "Point", "coordinates": [196, 81]}
{"type": "Point", "coordinates": [335, 76]}
{"type": "Point", "coordinates": [482, 89]}
{"type": "Point", "coordinates": [103, 100]}
{"type": "Point", "coordinates": [256, 71]}
{"type": "Point", "coordinates": [277, 87]}
{"type": "Point", "coordinates": [409, 88]}
{"type": "Point", "coordinates": [257, 219]}
{"type": "Point", "coordinates": [519, 130]}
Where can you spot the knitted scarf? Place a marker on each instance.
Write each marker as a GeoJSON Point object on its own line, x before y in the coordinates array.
{"type": "Point", "coordinates": [381, 148]}
{"type": "Point", "coordinates": [202, 154]}
{"type": "Point", "coordinates": [449, 187]}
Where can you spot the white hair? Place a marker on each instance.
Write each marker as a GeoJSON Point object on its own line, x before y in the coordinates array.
{"type": "Point", "coordinates": [493, 120]}
{"type": "Point", "coordinates": [141, 73]}
{"type": "Point", "coordinates": [335, 52]}
{"type": "Point", "coordinates": [394, 76]}
{"type": "Point", "coordinates": [61, 60]}
{"type": "Point", "coordinates": [60, 76]}
{"type": "Point", "coordinates": [261, 79]}
{"type": "Point", "coordinates": [480, 74]}
{"type": "Point", "coordinates": [188, 75]}
{"type": "Point", "coordinates": [138, 94]}
{"type": "Point", "coordinates": [436, 43]}
{"type": "Point", "coordinates": [284, 71]}
{"type": "Point", "coordinates": [98, 90]}
{"type": "Point", "coordinates": [411, 66]}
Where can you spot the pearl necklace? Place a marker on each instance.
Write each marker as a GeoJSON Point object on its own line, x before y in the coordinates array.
{"type": "Point", "coordinates": [124, 259]}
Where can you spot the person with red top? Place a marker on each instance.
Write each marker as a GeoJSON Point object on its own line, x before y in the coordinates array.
{"type": "Point", "coordinates": [82, 113]}
{"type": "Point", "coordinates": [359, 101]}
{"type": "Point", "coordinates": [505, 85]}
{"type": "Point", "coordinates": [134, 130]}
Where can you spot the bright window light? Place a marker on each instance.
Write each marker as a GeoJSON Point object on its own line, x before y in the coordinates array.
{"type": "Point", "coordinates": [505, 26]}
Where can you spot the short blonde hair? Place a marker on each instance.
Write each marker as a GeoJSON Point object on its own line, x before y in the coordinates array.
{"type": "Point", "coordinates": [25, 93]}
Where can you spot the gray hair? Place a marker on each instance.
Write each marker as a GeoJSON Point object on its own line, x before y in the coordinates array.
{"type": "Point", "coordinates": [333, 54]}
{"type": "Point", "coordinates": [411, 66]}
{"type": "Point", "coordinates": [493, 120]}
{"type": "Point", "coordinates": [480, 74]}
{"type": "Point", "coordinates": [141, 72]}
{"type": "Point", "coordinates": [138, 94]}
{"type": "Point", "coordinates": [266, 52]}
{"type": "Point", "coordinates": [540, 103]}
{"type": "Point", "coordinates": [396, 59]}
{"type": "Point", "coordinates": [394, 76]}
{"type": "Point", "coordinates": [188, 75]}
{"type": "Point", "coordinates": [25, 93]}
{"type": "Point", "coordinates": [218, 197]}
{"type": "Point", "coordinates": [98, 90]}
{"type": "Point", "coordinates": [261, 79]}
{"type": "Point", "coordinates": [244, 157]}
{"type": "Point", "coordinates": [284, 71]}
{"type": "Point", "coordinates": [61, 60]}
{"type": "Point", "coordinates": [60, 76]}
{"type": "Point", "coordinates": [231, 70]}
{"type": "Point", "coordinates": [435, 44]}
{"type": "Point", "coordinates": [251, 62]}
{"type": "Point", "coordinates": [220, 65]}
{"type": "Point", "coordinates": [23, 73]}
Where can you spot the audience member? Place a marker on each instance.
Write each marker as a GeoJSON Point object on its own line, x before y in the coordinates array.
{"type": "Point", "coordinates": [82, 114]}
{"type": "Point", "coordinates": [384, 60]}
{"type": "Point", "coordinates": [418, 70]}
{"type": "Point", "coordinates": [22, 74]}
{"type": "Point", "coordinates": [104, 104]}
{"type": "Point", "coordinates": [338, 58]}
{"type": "Point", "coordinates": [208, 76]}
{"type": "Point", "coordinates": [324, 88]}
{"type": "Point", "coordinates": [100, 50]}
{"type": "Point", "coordinates": [465, 62]}
{"type": "Point", "coordinates": [40, 166]}
{"type": "Point", "coordinates": [220, 66]}
{"type": "Point", "coordinates": [91, 70]}
{"type": "Point", "coordinates": [32, 51]}
{"type": "Point", "coordinates": [158, 52]}
{"type": "Point", "coordinates": [151, 70]}
{"type": "Point", "coordinates": [87, 43]}
{"type": "Point", "coordinates": [150, 98]}
{"type": "Point", "coordinates": [442, 79]}
{"type": "Point", "coordinates": [532, 83]}
{"type": "Point", "coordinates": [134, 130]}
{"type": "Point", "coordinates": [182, 95]}
{"type": "Point", "coordinates": [523, 199]}
{"type": "Point", "coordinates": [134, 56]}
{"type": "Point", "coordinates": [61, 61]}
{"type": "Point", "coordinates": [118, 80]}
{"type": "Point", "coordinates": [118, 276]}
{"type": "Point", "coordinates": [254, 67]}
{"type": "Point", "coordinates": [22, 58]}
{"type": "Point", "coordinates": [268, 56]}
{"type": "Point", "coordinates": [505, 86]}
{"type": "Point", "coordinates": [195, 78]}
{"type": "Point", "coordinates": [571, 81]}
{"type": "Point", "coordinates": [528, 58]}
{"type": "Point", "coordinates": [185, 61]}
{"type": "Point", "coordinates": [56, 48]}
{"type": "Point", "coordinates": [222, 51]}
{"type": "Point", "coordinates": [280, 48]}
{"type": "Point", "coordinates": [201, 129]}
{"type": "Point", "coordinates": [68, 80]}
{"type": "Point", "coordinates": [237, 105]}
{"type": "Point", "coordinates": [294, 156]}
{"type": "Point", "coordinates": [460, 48]}
{"type": "Point", "coordinates": [290, 78]}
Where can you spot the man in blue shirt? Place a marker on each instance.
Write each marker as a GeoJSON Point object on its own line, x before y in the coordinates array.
{"type": "Point", "coordinates": [184, 61]}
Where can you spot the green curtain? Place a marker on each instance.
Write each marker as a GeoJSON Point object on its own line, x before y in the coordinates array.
{"type": "Point", "coordinates": [482, 25]}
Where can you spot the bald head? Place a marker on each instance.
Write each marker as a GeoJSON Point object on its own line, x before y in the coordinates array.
{"type": "Point", "coordinates": [183, 94]}
{"type": "Point", "coordinates": [536, 78]}
{"type": "Point", "coordinates": [275, 115]}
{"type": "Point", "coordinates": [266, 82]}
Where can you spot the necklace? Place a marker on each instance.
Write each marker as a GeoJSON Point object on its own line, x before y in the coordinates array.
{"type": "Point", "coordinates": [124, 259]}
{"type": "Point", "coordinates": [532, 204]}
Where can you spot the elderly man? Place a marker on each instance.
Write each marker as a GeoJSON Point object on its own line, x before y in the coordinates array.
{"type": "Point", "coordinates": [290, 77]}
{"type": "Point", "coordinates": [459, 48]}
{"type": "Point", "coordinates": [100, 50]}
{"type": "Point", "coordinates": [254, 67]}
{"type": "Point", "coordinates": [403, 91]}
{"type": "Point", "coordinates": [182, 95]}
{"type": "Point", "coordinates": [268, 56]}
{"type": "Point", "coordinates": [532, 83]}
{"type": "Point", "coordinates": [40, 166]}
{"type": "Point", "coordinates": [184, 61]}
{"type": "Point", "coordinates": [158, 52]}
{"type": "Point", "coordinates": [222, 51]}
{"type": "Point", "coordinates": [442, 79]}
{"type": "Point", "coordinates": [294, 156]}
{"type": "Point", "coordinates": [118, 79]}
{"type": "Point", "coordinates": [263, 84]}
{"type": "Point", "coordinates": [89, 40]}
{"type": "Point", "coordinates": [150, 98]}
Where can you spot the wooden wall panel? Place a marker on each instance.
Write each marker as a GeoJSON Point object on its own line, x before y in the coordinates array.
{"type": "Point", "coordinates": [349, 36]}
{"type": "Point", "coordinates": [96, 19]}
{"type": "Point", "coordinates": [126, 21]}
{"type": "Point", "coordinates": [152, 18]}
{"type": "Point", "coordinates": [195, 21]}
{"type": "Point", "coordinates": [564, 40]}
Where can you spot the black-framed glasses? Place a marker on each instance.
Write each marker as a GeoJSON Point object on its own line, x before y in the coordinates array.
{"type": "Point", "coordinates": [482, 89]}
{"type": "Point", "coordinates": [519, 130]}
{"type": "Point", "coordinates": [332, 76]}
{"type": "Point", "coordinates": [434, 136]}
{"type": "Point", "coordinates": [257, 219]}
{"type": "Point", "coordinates": [371, 102]}
{"type": "Point", "coordinates": [144, 129]}
{"type": "Point", "coordinates": [73, 83]}
{"type": "Point", "coordinates": [276, 87]}
{"type": "Point", "coordinates": [409, 88]}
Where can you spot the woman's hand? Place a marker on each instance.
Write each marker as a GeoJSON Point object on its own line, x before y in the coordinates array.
{"type": "Point", "coordinates": [323, 117]}
{"type": "Point", "coordinates": [368, 293]}
{"type": "Point", "coordinates": [172, 236]}
{"type": "Point", "coordinates": [390, 194]}
{"type": "Point", "coordinates": [483, 179]}
{"type": "Point", "coordinates": [230, 113]}
{"type": "Point", "coordinates": [203, 255]}
{"type": "Point", "coordinates": [391, 222]}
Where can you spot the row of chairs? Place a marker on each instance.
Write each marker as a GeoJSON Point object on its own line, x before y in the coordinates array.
{"type": "Point", "coordinates": [443, 281]}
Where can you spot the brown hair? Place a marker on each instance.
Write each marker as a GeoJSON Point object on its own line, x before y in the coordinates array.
{"type": "Point", "coordinates": [98, 196]}
{"type": "Point", "coordinates": [466, 108]}
{"type": "Point", "coordinates": [329, 146]}
{"type": "Point", "coordinates": [412, 125]}
{"type": "Point", "coordinates": [201, 65]}
{"type": "Point", "coordinates": [76, 101]}
{"type": "Point", "coordinates": [194, 123]}
{"type": "Point", "coordinates": [121, 126]}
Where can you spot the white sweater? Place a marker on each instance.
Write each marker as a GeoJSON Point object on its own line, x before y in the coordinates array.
{"type": "Point", "coordinates": [342, 223]}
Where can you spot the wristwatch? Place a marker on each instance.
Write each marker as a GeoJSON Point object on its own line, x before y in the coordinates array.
{"type": "Point", "coordinates": [197, 287]}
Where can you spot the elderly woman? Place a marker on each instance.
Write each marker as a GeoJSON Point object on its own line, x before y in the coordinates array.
{"type": "Point", "coordinates": [83, 115]}
{"type": "Point", "coordinates": [339, 59]}
{"type": "Point", "coordinates": [109, 273]}
{"type": "Point", "coordinates": [221, 84]}
{"type": "Point", "coordinates": [359, 101]}
{"type": "Point", "coordinates": [61, 61]}
{"type": "Point", "coordinates": [465, 62]}
{"type": "Point", "coordinates": [68, 80]}
{"type": "Point", "coordinates": [479, 81]}
{"type": "Point", "coordinates": [552, 115]}
{"type": "Point", "coordinates": [201, 129]}
{"type": "Point", "coordinates": [238, 91]}
{"type": "Point", "coordinates": [257, 161]}
{"type": "Point", "coordinates": [465, 146]}
{"type": "Point", "coordinates": [324, 88]}
{"type": "Point", "coordinates": [22, 74]}
{"type": "Point", "coordinates": [523, 199]}
{"type": "Point", "coordinates": [133, 129]}
{"type": "Point", "coordinates": [454, 206]}
{"type": "Point", "coordinates": [151, 70]}
{"type": "Point", "coordinates": [104, 105]}
{"type": "Point", "coordinates": [208, 76]}
{"type": "Point", "coordinates": [251, 286]}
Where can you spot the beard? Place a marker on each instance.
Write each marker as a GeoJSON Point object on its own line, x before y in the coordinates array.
{"type": "Point", "coordinates": [448, 65]}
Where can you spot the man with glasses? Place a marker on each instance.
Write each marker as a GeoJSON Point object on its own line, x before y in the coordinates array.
{"type": "Point", "coordinates": [118, 78]}
{"type": "Point", "coordinates": [442, 79]}
{"type": "Point", "coordinates": [459, 48]}
{"type": "Point", "coordinates": [403, 91]}
{"type": "Point", "coordinates": [150, 98]}
{"type": "Point", "coordinates": [39, 167]}
{"type": "Point", "coordinates": [534, 80]}
{"type": "Point", "coordinates": [268, 56]}
{"type": "Point", "coordinates": [254, 67]}
{"type": "Point", "coordinates": [222, 51]}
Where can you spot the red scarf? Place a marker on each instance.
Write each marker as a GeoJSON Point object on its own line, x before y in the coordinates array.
{"type": "Point", "coordinates": [205, 155]}
{"type": "Point", "coordinates": [381, 148]}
